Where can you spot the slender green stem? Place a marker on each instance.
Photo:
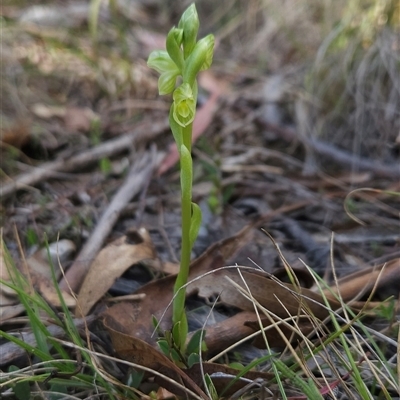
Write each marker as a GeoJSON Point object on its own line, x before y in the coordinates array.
{"type": "Point", "coordinates": [185, 57]}
{"type": "Point", "coordinates": [179, 303]}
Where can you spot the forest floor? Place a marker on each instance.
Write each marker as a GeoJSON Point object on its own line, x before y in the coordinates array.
{"type": "Point", "coordinates": [296, 168]}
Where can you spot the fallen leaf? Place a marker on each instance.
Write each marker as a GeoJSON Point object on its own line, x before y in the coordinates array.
{"type": "Point", "coordinates": [46, 112]}
{"type": "Point", "coordinates": [16, 135]}
{"type": "Point", "coordinates": [79, 119]}
{"type": "Point", "coordinates": [11, 311]}
{"type": "Point", "coordinates": [39, 270]}
{"type": "Point", "coordinates": [137, 351]}
{"type": "Point", "coordinates": [111, 263]}
{"type": "Point", "coordinates": [222, 376]}
{"type": "Point", "coordinates": [46, 288]}
{"type": "Point", "coordinates": [59, 252]}
{"type": "Point", "coordinates": [75, 119]}
{"type": "Point", "coordinates": [364, 281]}
{"type": "Point", "coordinates": [135, 318]}
{"type": "Point", "coordinates": [224, 334]}
{"type": "Point", "coordinates": [281, 300]}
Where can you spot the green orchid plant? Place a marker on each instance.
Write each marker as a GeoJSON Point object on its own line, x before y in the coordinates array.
{"type": "Point", "coordinates": [184, 58]}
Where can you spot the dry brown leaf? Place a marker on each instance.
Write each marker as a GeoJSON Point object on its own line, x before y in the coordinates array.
{"type": "Point", "coordinates": [46, 288]}
{"type": "Point", "coordinates": [269, 293]}
{"type": "Point", "coordinates": [79, 119]}
{"type": "Point", "coordinates": [8, 312]}
{"type": "Point", "coordinates": [224, 334]}
{"type": "Point", "coordinates": [135, 318]}
{"type": "Point", "coordinates": [222, 375]}
{"type": "Point", "coordinates": [364, 281]}
{"type": "Point", "coordinates": [281, 299]}
{"type": "Point", "coordinates": [164, 394]}
{"type": "Point", "coordinates": [137, 351]}
{"type": "Point", "coordinates": [111, 263]}
{"type": "Point", "coordinates": [16, 135]}
{"type": "Point", "coordinates": [39, 270]}
{"type": "Point", "coordinates": [46, 112]}
{"type": "Point", "coordinates": [278, 333]}
{"type": "Point", "coordinates": [59, 252]}
{"type": "Point", "coordinates": [75, 119]}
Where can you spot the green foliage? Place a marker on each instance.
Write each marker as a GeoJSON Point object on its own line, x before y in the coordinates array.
{"type": "Point", "coordinates": [31, 237]}
{"type": "Point", "coordinates": [47, 350]}
{"type": "Point", "coordinates": [185, 57]}
{"type": "Point", "coordinates": [212, 391]}
{"type": "Point", "coordinates": [135, 379]}
{"type": "Point", "coordinates": [171, 348]}
{"type": "Point", "coordinates": [105, 166]}
{"type": "Point", "coordinates": [21, 389]}
{"type": "Point", "coordinates": [307, 387]}
{"type": "Point", "coordinates": [387, 310]}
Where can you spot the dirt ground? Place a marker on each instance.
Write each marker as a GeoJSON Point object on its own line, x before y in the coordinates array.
{"type": "Point", "coordinates": [297, 133]}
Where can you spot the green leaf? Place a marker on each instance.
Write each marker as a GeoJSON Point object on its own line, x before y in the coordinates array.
{"type": "Point", "coordinates": [164, 347]}
{"type": "Point", "coordinates": [195, 341]}
{"type": "Point", "coordinates": [21, 389]}
{"type": "Point", "coordinates": [180, 331]}
{"type": "Point", "coordinates": [184, 105]}
{"type": "Point", "coordinates": [55, 390]}
{"type": "Point", "coordinates": [168, 337]}
{"type": "Point", "coordinates": [237, 365]}
{"type": "Point", "coordinates": [176, 334]}
{"type": "Point", "coordinates": [211, 388]}
{"type": "Point", "coordinates": [173, 44]}
{"type": "Point", "coordinates": [195, 224]}
{"type": "Point", "coordinates": [154, 321]}
{"type": "Point", "coordinates": [199, 59]}
{"type": "Point", "coordinates": [161, 62]}
{"type": "Point", "coordinates": [209, 53]}
{"type": "Point", "coordinates": [135, 379]}
{"type": "Point", "coordinates": [193, 359]}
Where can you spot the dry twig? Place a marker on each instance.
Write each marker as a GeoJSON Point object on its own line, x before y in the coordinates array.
{"type": "Point", "coordinates": [140, 172]}
{"type": "Point", "coordinates": [146, 132]}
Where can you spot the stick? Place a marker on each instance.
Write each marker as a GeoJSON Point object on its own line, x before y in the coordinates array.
{"type": "Point", "coordinates": [47, 170]}
{"type": "Point", "coordinates": [138, 175]}
{"type": "Point", "coordinates": [329, 151]}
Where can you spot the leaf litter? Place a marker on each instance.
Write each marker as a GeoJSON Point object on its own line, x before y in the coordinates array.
{"type": "Point", "coordinates": [254, 169]}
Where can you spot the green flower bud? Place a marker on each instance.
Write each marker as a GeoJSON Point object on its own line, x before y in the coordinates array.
{"type": "Point", "coordinates": [210, 52]}
{"type": "Point", "coordinates": [173, 44]}
{"type": "Point", "coordinates": [162, 63]}
{"type": "Point", "coordinates": [189, 23]}
{"type": "Point", "coordinates": [167, 82]}
{"type": "Point", "coordinates": [199, 59]}
{"type": "Point", "coordinates": [184, 105]}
